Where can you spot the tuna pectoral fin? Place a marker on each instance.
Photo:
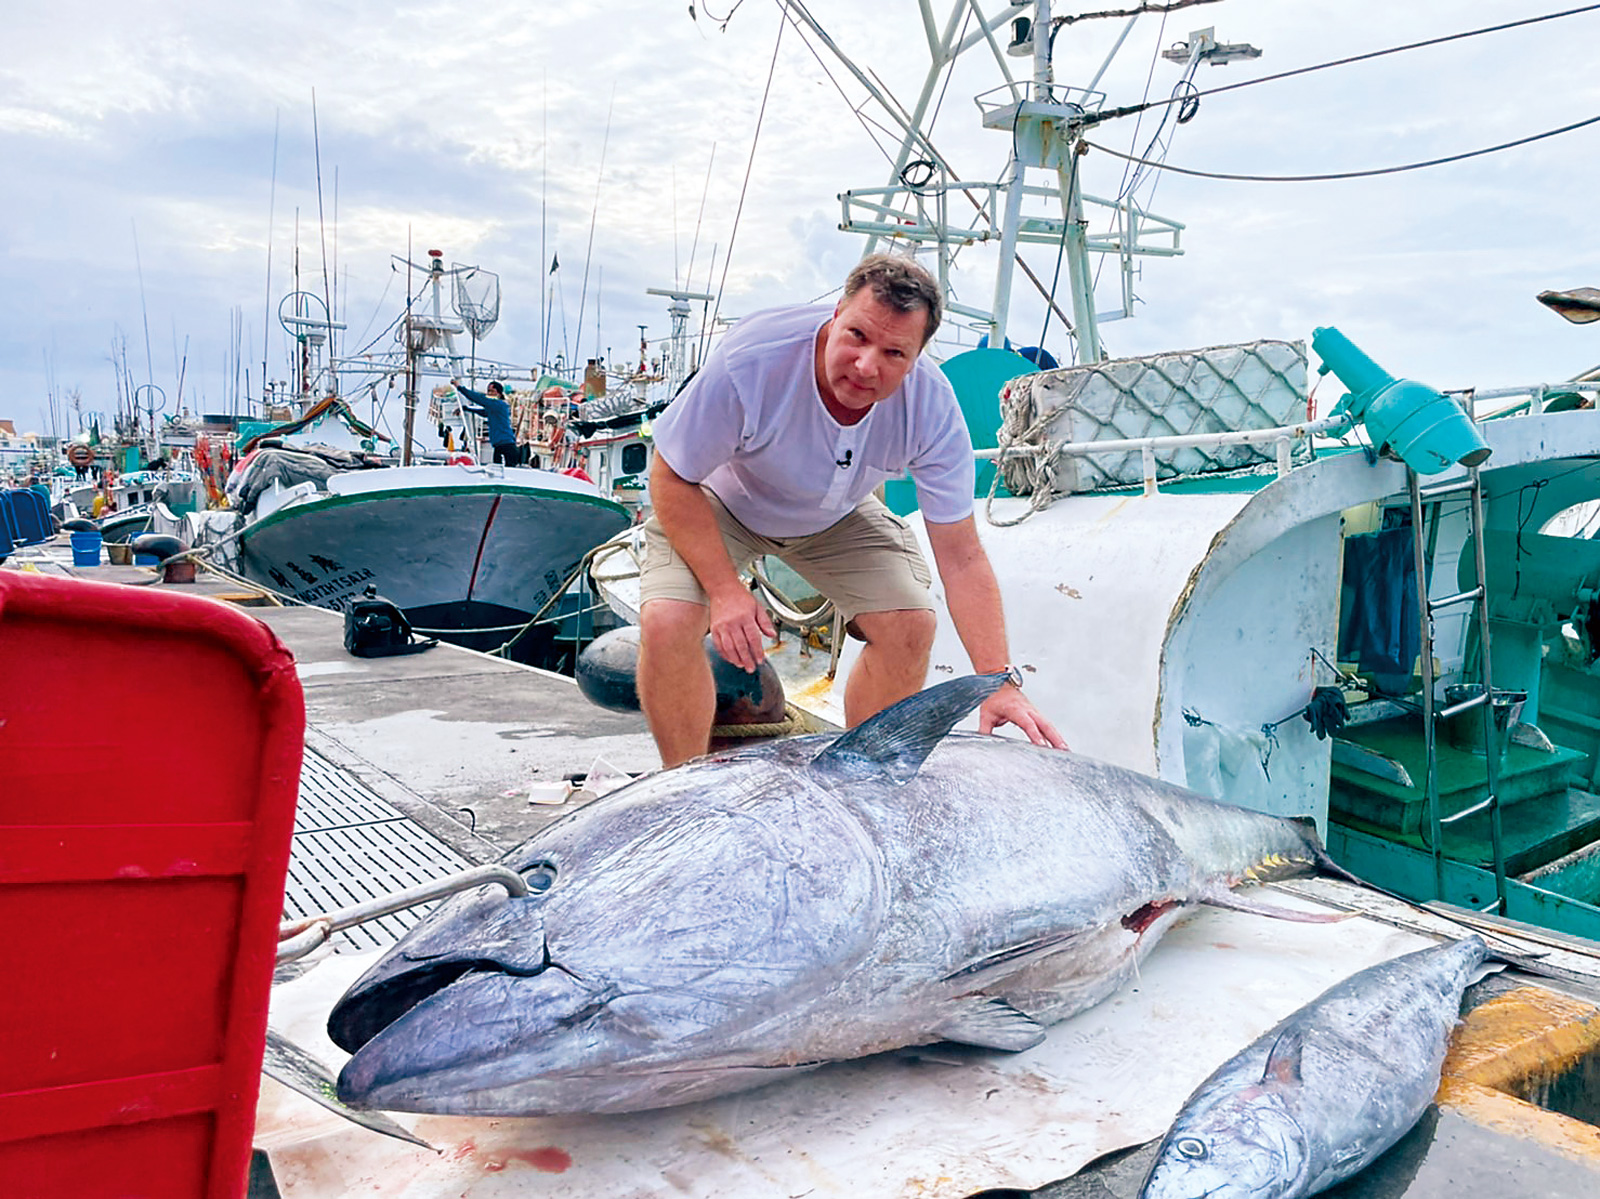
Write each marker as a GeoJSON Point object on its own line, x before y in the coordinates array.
{"type": "Point", "coordinates": [1283, 1059]}
{"type": "Point", "coordinates": [1223, 898]}
{"type": "Point", "coordinates": [299, 1071]}
{"type": "Point", "coordinates": [899, 739]}
{"type": "Point", "coordinates": [990, 1024]}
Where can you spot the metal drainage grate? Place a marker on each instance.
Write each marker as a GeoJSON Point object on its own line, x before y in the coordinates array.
{"type": "Point", "coordinates": [351, 846]}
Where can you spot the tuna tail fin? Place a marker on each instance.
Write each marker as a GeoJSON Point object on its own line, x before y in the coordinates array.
{"type": "Point", "coordinates": [1319, 852]}
{"type": "Point", "coordinates": [899, 739]}
{"type": "Point", "coordinates": [1519, 955]}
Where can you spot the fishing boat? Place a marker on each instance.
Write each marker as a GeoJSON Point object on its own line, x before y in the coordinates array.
{"type": "Point", "coordinates": [325, 503]}
{"type": "Point", "coordinates": [1355, 607]}
{"type": "Point", "coordinates": [470, 553]}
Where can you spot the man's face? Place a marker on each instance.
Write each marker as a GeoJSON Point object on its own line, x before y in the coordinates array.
{"type": "Point", "coordinates": [868, 351]}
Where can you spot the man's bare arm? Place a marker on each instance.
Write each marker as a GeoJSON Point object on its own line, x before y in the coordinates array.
{"type": "Point", "coordinates": [739, 624]}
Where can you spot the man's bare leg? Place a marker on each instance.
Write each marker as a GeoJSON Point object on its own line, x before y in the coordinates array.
{"type": "Point", "coordinates": [893, 663]}
{"type": "Point", "coordinates": [675, 686]}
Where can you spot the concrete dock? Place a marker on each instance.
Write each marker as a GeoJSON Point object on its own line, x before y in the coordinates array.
{"type": "Point", "coordinates": [456, 739]}
{"type": "Point", "coordinates": [421, 764]}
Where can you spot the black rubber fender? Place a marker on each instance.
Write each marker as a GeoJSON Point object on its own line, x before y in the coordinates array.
{"type": "Point", "coordinates": [608, 668]}
{"type": "Point", "coordinates": [161, 545]}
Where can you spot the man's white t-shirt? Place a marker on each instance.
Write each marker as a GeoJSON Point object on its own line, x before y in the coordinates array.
{"type": "Point", "coordinates": [752, 427]}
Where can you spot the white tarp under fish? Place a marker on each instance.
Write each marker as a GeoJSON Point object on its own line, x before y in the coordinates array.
{"type": "Point", "coordinates": [955, 1122]}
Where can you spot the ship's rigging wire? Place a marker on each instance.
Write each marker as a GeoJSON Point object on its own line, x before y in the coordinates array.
{"type": "Point", "coordinates": [855, 111]}
{"type": "Point", "coordinates": [377, 308]}
{"type": "Point", "coordinates": [1186, 97]}
{"type": "Point", "coordinates": [1131, 109]}
{"type": "Point", "coordinates": [749, 166]}
{"type": "Point", "coordinates": [594, 216]}
{"type": "Point", "coordinates": [1126, 186]}
{"type": "Point", "coordinates": [272, 208]}
{"type": "Point", "coordinates": [699, 220]}
{"type": "Point", "coordinates": [1057, 22]}
{"type": "Point", "coordinates": [935, 156]}
{"type": "Point", "coordinates": [1366, 174]}
{"type": "Point", "coordinates": [722, 22]}
{"type": "Point", "coordinates": [322, 225]}
{"type": "Point", "coordinates": [950, 68]}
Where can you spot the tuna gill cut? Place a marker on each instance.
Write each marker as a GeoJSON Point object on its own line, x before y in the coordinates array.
{"type": "Point", "coordinates": [764, 911]}
{"type": "Point", "coordinates": [1326, 1091]}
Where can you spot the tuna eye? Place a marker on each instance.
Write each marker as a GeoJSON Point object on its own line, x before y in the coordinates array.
{"type": "Point", "coordinates": [1191, 1148]}
{"type": "Point", "coordinates": [541, 876]}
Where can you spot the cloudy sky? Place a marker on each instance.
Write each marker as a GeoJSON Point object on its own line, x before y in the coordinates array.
{"type": "Point", "coordinates": [175, 141]}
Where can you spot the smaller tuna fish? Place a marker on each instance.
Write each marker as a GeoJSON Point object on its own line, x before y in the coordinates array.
{"type": "Point", "coordinates": [1321, 1095]}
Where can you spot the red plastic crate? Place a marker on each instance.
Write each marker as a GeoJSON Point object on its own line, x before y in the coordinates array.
{"type": "Point", "coordinates": [149, 764]}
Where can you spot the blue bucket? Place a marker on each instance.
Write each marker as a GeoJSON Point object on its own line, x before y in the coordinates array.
{"type": "Point", "coordinates": [86, 547]}
{"type": "Point", "coordinates": [146, 560]}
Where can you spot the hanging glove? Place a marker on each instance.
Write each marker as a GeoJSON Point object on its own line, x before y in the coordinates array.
{"type": "Point", "coordinates": [1326, 713]}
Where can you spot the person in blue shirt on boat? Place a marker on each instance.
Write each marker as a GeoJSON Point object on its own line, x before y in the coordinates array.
{"type": "Point", "coordinates": [775, 447]}
{"type": "Point", "coordinates": [496, 411]}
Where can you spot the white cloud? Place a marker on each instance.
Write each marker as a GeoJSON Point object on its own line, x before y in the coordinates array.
{"type": "Point", "coordinates": [40, 124]}
{"type": "Point", "coordinates": [477, 128]}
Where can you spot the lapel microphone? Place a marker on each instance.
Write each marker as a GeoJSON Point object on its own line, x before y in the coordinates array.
{"type": "Point", "coordinates": [841, 463]}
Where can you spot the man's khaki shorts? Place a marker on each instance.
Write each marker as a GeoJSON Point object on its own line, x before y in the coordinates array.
{"type": "Point", "coordinates": [866, 562]}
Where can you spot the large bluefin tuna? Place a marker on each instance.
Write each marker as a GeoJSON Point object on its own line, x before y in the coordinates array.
{"type": "Point", "coordinates": [1325, 1092]}
{"type": "Point", "coordinates": [767, 910]}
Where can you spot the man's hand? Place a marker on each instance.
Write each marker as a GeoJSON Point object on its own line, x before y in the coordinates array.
{"type": "Point", "coordinates": [740, 627]}
{"type": "Point", "coordinates": [1009, 706]}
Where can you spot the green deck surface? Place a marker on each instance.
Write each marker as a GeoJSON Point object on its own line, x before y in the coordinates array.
{"type": "Point", "coordinates": [1542, 817]}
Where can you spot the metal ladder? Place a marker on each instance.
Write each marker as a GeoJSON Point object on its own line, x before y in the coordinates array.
{"type": "Point", "coordinates": [1472, 487]}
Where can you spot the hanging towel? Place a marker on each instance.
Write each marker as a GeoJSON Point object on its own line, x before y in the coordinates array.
{"type": "Point", "coordinates": [1378, 617]}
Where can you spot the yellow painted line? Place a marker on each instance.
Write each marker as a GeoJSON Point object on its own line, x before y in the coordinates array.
{"type": "Point", "coordinates": [1511, 1044]}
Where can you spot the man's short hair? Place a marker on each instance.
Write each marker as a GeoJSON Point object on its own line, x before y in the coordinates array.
{"type": "Point", "coordinates": [900, 283]}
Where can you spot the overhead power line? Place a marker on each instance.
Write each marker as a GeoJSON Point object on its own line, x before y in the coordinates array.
{"type": "Point", "coordinates": [1410, 166]}
{"type": "Point", "coordinates": [1131, 109]}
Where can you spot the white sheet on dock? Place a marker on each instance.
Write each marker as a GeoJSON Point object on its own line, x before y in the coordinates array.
{"type": "Point", "coordinates": [1108, 1078]}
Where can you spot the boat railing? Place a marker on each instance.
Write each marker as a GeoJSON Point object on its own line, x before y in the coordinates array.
{"type": "Point", "coordinates": [920, 212]}
{"type": "Point", "coordinates": [1281, 437]}
{"type": "Point", "coordinates": [1533, 399]}
{"type": "Point", "coordinates": [997, 102]}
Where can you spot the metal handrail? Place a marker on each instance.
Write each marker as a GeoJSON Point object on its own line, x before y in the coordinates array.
{"type": "Point", "coordinates": [296, 938]}
{"type": "Point", "coordinates": [1282, 436]}
{"type": "Point", "coordinates": [1175, 441]}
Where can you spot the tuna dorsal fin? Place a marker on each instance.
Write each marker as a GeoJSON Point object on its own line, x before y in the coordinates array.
{"type": "Point", "coordinates": [1283, 1059]}
{"type": "Point", "coordinates": [990, 1024]}
{"type": "Point", "coordinates": [1221, 897]}
{"type": "Point", "coordinates": [899, 739]}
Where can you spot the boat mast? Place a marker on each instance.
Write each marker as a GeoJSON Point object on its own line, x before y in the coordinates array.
{"type": "Point", "coordinates": [1045, 123]}
{"type": "Point", "coordinates": [676, 368]}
